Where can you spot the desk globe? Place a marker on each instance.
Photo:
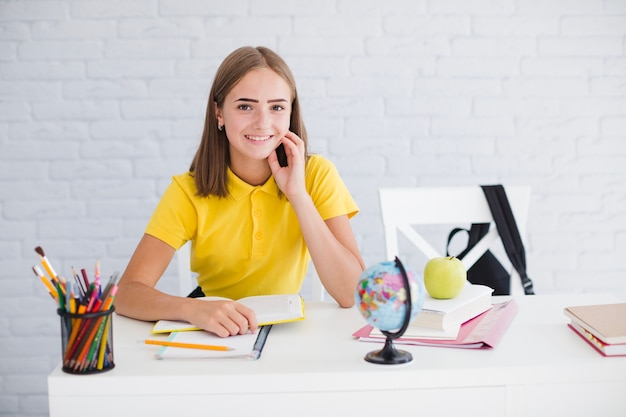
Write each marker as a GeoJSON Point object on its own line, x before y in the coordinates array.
{"type": "Point", "coordinates": [389, 297]}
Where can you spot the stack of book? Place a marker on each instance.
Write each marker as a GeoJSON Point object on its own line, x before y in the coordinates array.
{"type": "Point", "coordinates": [469, 320]}
{"type": "Point", "coordinates": [602, 326]}
{"type": "Point", "coordinates": [442, 319]}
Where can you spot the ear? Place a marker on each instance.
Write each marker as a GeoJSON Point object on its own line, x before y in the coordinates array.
{"type": "Point", "coordinates": [218, 115]}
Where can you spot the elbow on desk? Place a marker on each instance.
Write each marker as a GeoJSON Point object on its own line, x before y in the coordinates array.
{"type": "Point", "coordinates": [345, 297]}
{"type": "Point", "coordinates": [345, 302]}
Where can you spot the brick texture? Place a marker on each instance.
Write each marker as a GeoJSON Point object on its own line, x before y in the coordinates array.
{"type": "Point", "coordinates": [102, 101]}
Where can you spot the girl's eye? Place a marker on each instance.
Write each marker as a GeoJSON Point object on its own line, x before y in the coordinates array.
{"type": "Point", "coordinates": [244, 107]}
{"type": "Point", "coordinates": [278, 107]}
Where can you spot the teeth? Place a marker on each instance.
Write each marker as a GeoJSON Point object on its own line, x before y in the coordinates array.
{"type": "Point", "coordinates": [258, 138]}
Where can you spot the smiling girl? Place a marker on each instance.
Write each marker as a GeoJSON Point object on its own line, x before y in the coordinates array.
{"type": "Point", "coordinates": [253, 222]}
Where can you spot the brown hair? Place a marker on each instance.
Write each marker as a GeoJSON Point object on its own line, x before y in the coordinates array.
{"type": "Point", "coordinates": [210, 164]}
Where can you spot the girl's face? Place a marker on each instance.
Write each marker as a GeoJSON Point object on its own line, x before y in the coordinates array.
{"type": "Point", "coordinates": [255, 115]}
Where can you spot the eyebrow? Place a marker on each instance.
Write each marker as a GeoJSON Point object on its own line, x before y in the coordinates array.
{"type": "Point", "coordinates": [276, 100]}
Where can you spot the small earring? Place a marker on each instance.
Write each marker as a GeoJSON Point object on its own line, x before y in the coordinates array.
{"type": "Point", "coordinates": [220, 127]}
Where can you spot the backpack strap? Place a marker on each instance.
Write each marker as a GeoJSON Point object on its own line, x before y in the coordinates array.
{"type": "Point", "coordinates": [476, 232]}
{"type": "Point", "coordinates": [453, 232]}
{"type": "Point", "coordinates": [509, 233]}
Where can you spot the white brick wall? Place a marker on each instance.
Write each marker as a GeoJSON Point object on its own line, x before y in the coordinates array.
{"type": "Point", "coordinates": [102, 101]}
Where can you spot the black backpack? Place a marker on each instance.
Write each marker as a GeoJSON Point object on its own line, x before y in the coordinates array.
{"type": "Point", "coordinates": [488, 270]}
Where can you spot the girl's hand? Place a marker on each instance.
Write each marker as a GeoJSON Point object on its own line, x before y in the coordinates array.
{"type": "Point", "coordinates": [223, 317]}
{"type": "Point", "coordinates": [290, 179]}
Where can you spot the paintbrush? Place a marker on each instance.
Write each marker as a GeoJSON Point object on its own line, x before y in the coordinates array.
{"type": "Point", "coordinates": [46, 264]}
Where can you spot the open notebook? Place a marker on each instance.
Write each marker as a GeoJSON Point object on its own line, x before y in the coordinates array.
{"type": "Point", "coordinates": [240, 346]}
{"type": "Point", "coordinates": [269, 309]}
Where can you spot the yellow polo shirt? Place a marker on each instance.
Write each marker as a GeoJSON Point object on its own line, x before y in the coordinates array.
{"type": "Point", "coordinates": [250, 242]}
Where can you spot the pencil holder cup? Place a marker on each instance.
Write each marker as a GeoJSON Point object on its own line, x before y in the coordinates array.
{"type": "Point", "coordinates": [87, 341]}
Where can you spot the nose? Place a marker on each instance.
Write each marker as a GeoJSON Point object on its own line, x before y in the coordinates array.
{"type": "Point", "coordinates": [263, 119]}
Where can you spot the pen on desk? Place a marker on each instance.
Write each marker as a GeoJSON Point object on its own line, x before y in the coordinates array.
{"type": "Point", "coordinates": [186, 345]}
{"type": "Point", "coordinates": [260, 342]}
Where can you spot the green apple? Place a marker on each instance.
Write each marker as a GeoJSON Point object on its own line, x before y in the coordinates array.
{"type": "Point", "coordinates": [444, 278]}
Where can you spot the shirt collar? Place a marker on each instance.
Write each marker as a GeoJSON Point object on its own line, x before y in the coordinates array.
{"type": "Point", "coordinates": [240, 189]}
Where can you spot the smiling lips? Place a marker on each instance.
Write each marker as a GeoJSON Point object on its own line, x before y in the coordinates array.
{"type": "Point", "coordinates": [259, 138]}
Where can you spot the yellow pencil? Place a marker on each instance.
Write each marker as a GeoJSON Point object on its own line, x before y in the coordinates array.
{"type": "Point", "coordinates": [48, 284]}
{"type": "Point", "coordinates": [186, 345]}
{"type": "Point", "coordinates": [103, 345]}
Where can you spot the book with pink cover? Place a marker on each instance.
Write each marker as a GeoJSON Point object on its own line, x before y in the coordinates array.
{"type": "Point", "coordinates": [603, 348]}
{"type": "Point", "coordinates": [606, 322]}
{"type": "Point", "coordinates": [483, 331]}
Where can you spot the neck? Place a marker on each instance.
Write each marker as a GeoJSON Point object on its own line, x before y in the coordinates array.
{"type": "Point", "coordinates": [253, 172]}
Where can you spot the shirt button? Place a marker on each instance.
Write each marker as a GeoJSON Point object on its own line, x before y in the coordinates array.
{"type": "Point", "coordinates": [257, 213]}
{"type": "Point", "coordinates": [258, 236]}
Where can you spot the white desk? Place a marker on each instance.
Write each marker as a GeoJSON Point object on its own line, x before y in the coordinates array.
{"type": "Point", "coordinates": [314, 368]}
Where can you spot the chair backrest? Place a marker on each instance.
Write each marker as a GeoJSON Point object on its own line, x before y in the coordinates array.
{"type": "Point", "coordinates": [402, 209]}
{"type": "Point", "coordinates": [185, 279]}
{"type": "Point", "coordinates": [186, 282]}
{"type": "Point", "coordinates": [317, 290]}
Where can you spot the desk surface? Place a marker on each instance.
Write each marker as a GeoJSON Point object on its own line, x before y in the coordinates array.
{"type": "Point", "coordinates": [317, 360]}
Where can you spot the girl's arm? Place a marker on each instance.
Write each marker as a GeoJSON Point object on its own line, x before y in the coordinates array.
{"type": "Point", "coordinates": [138, 298]}
{"type": "Point", "coordinates": [331, 243]}
{"type": "Point", "coordinates": [333, 249]}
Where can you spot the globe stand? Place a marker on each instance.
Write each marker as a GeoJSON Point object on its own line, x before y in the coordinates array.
{"type": "Point", "coordinates": [389, 355]}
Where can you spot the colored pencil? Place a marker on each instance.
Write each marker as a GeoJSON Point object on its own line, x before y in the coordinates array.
{"type": "Point", "coordinates": [83, 272]}
{"type": "Point", "coordinates": [103, 346]}
{"type": "Point", "coordinates": [81, 289]}
{"type": "Point", "coordinates": [86, 340]}
{"type": "Point", "coordinates": [186, 345]}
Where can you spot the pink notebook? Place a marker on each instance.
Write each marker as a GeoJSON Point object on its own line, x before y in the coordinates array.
{"type": "Point", "coordinates": [483, 331]}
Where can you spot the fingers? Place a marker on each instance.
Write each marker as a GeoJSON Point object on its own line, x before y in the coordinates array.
{"type": "Point", "coordinates": [294, 148]}
{"type": "Point", "coordinates": [226, 318]}
{"type": "Point", "coordinates": [292, 136]}
{"type": "Point", "coordinates": [292, 142]}
{"type": "Point", "coordinates": [290, 179]}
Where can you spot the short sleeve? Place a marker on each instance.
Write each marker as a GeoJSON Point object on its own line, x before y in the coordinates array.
{"type": "Point", "coordinates": [174, 219]}
{"type": "Point", "coordinates": [328, 191]}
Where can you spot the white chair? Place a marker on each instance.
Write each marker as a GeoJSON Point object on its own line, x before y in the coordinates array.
{"type": "Point", "coordinates": [187, 283]}
{"type": "Point", "coordinates": [405, 209]}
{"type": "Point", "coordinates": [318, 292]}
